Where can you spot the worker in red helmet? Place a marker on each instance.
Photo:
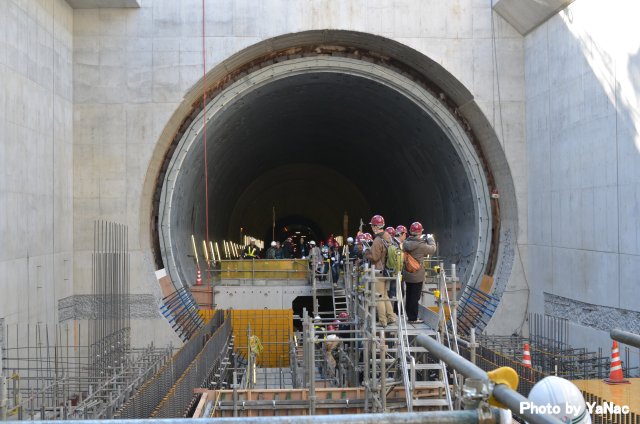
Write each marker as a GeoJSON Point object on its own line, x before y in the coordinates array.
{"type": "Point", "coordinates": [391, 231]}
{"type": "Point", "coordinates": [401, 235]}
{"type": "Point", "coordinates": [377, 254]}
{"type": "Point", "coordinates": [417, 246]}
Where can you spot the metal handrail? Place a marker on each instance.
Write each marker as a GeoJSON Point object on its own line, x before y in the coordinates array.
{"type": "Point", "coordinates": [404, 342]}
{"type": "Point", "coordinates": [502, 393]}
{"type": "Point", "coordinates": [473, 416]}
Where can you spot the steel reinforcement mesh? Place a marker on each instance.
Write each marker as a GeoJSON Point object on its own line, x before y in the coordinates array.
{"type": "Point", "coordinates": [148, 397]}
{"type": "Point", "coordinates": [179, 397]}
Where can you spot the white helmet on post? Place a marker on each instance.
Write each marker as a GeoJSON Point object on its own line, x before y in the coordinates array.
{"type": "Point", "coordinates": [564, 397]}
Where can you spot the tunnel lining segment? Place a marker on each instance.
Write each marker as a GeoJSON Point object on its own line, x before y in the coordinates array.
{"type": "Point", "coordinates": [244, 85]}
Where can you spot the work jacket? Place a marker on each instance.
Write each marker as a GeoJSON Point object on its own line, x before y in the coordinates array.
{"type": "Point", "coordinates": [251, 252]}
{"type": "Point", "coordinates": [418, 248]}
{"type": "Point", "coordinates": [378, 252]}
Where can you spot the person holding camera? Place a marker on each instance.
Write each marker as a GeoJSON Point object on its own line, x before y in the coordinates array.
{"type": "Point", "coordinates": [418, 246]}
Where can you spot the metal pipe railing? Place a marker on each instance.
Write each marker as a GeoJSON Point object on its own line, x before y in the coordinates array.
{"type": "Point", "coordinates": [502, 393]}
{"type": "Point", "coordinates": [625, 337]}
{"type": "Point", "coordinates": [493, 415]}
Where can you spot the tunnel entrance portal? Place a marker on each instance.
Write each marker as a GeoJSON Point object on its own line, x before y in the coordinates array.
{"type": "Point", "coordinates": [324, 134]}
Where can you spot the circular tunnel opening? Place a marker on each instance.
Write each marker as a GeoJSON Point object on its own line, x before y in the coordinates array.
{"type": "Point", "coordinates": [317, 145]}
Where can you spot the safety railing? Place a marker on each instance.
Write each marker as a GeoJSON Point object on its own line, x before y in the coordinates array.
{"type": "Point", "coordinates": [251, 270]}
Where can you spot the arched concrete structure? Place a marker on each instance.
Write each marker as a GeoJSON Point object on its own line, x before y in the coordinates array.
{"type": "Point", "coordinates": [399, 127]}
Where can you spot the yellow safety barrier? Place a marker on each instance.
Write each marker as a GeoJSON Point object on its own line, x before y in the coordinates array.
{"type": "Point", "coordinates": [265, 269]}
{"type": "Point", "coordinates": [272, 327]}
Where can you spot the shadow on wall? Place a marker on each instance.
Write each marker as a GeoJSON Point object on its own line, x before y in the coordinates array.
{"type": "Point", "coordinates": [590, 258]}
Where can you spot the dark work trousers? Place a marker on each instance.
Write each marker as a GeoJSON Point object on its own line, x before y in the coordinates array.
{"type": "Point", "coordinates": [414, 292]}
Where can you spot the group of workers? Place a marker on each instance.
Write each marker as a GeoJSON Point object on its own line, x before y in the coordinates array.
{"type": "Point", "coordinates": [379, 254]}
{"type": "Point", "coordinates": [377, 250]}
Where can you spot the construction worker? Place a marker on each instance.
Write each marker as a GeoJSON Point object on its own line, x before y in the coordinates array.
{"type": "Point", "coordinates": [279, 251]}
{"type": "Point", "coordinates": [401, 235]}
{"type": "Point", "coordinates": [324, 269]}
{"type": "Point", "coordinates": [335, 260]}
{"type": "Point", "coordinates": [271, 252]}
{"type": "Point", "coordinates": [287, 249]}
{"type": "Point", "coordinates": [377, 254]}
{"type": "Point", "coordinates": [330, 344]}
{"type": "Point", "coordinates": [559, 398]}
{"type": "Point", "coordinates": [418, 247]}
{"type": "Point", "coordinates": [315, 257]}
{"type": "Point", "coordinates": [251, 251]}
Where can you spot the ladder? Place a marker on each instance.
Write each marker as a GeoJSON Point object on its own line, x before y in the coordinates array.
{"type": "Point", "coordinates": [403, 342]}
{"type": "Point", "coordinates": [339, 300]}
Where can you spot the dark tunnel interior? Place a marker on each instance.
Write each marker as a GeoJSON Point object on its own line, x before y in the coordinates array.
{"type": "Point", "coordinates": [319, 145]}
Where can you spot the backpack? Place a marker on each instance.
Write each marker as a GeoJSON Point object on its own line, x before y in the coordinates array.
{"type": "Point", "coordinates": [392, 258]}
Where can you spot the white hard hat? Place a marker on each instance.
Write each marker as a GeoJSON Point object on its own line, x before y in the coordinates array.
{"type": "Point", "coordinates": [313, 243]}
{"type": "Point", "coordinates": [273, 243]}
{"type": "Point", "coordinates": [316, 318]}
{"type": "Point", "coordinates": [349, 239]}
{"type": "Point", "coordinates": [554, 391]}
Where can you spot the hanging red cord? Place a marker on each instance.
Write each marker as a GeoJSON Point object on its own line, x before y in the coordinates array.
{"type": "Point", "coordinates": [204, 111]}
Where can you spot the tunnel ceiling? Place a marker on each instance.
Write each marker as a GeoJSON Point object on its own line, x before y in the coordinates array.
{"type": "Point", "coordinates": [317, 144]}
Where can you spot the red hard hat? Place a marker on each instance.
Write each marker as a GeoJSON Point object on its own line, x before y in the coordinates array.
{"type": "Point", "coordinates": [391, 231]}
{"type": "Point", "coordinates": [400, 229]}
{"type": "Point", "coordinates": [416, 228]}
{"type": "Point", "coordinates": [360, 238]}
{"type": "Point", "coordinates": [331, 328]}
{"type": "Point", "coordinates": [377, 220]}
{"type": "Point", "coordinates": [368, 237]}
{"type": "Point", "coordinates": [343, 315]}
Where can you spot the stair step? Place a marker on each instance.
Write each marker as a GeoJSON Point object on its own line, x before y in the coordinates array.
{"type": "Point", "coordinates": [437, 384]}
{"type": "Point", "coordinates": [410, 349]}
{"type": "Point", "coordinates": [428, 366]}
{"type": "Point", "coordinates": [430, 402]}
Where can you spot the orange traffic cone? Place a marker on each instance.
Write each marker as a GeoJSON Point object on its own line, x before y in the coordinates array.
{"type": "Point", "coordinates": [198, 278]}
{"type": "Point", "coordinates": [615, 375]}
{"type": "Point", "coordinates": [526, 356]}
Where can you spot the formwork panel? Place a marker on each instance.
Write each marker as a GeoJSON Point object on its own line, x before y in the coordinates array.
{"type": "Point", "coordinates": [273, 327]}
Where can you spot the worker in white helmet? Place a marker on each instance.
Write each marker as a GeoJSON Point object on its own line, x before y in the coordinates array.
{"type": "Point", "coordinates": [271, 252]}
{"type": "Point", "coordinates": [559, 398]}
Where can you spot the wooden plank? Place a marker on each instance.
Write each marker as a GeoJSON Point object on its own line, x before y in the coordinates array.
{"type": "Point", "coordinates": [200, 407]}
{"type": "Point", "coordinates": [619, 394]}
{"type": "Point", "coordinates": [486, 284]}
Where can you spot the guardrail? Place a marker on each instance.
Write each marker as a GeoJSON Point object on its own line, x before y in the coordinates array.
{"type": "Point", "coordinates": [262, 269]}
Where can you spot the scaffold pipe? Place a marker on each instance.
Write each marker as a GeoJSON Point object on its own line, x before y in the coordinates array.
{"type": "Point", "coordinates": [501, 392]}
{"type": "Point", "coordinates": [626, 337]}
{"type": "Point", "coordinates": [438, 417]}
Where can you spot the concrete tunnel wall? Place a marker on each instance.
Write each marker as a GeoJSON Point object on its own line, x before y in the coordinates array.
{"type": "Point", "coordinates": [378, 141]}
{"type": "Point", "coordinates": [135, 79]}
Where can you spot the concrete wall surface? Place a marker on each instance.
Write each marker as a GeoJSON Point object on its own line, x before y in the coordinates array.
{"type": "Point", "coordinates": [87, 92]}
{"type": "Point", "coordinates": [582, 112]}
{"type": "Point", "coordinates": [36, 159]}
{"type": "Point", "coordinates": [132, 68]}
